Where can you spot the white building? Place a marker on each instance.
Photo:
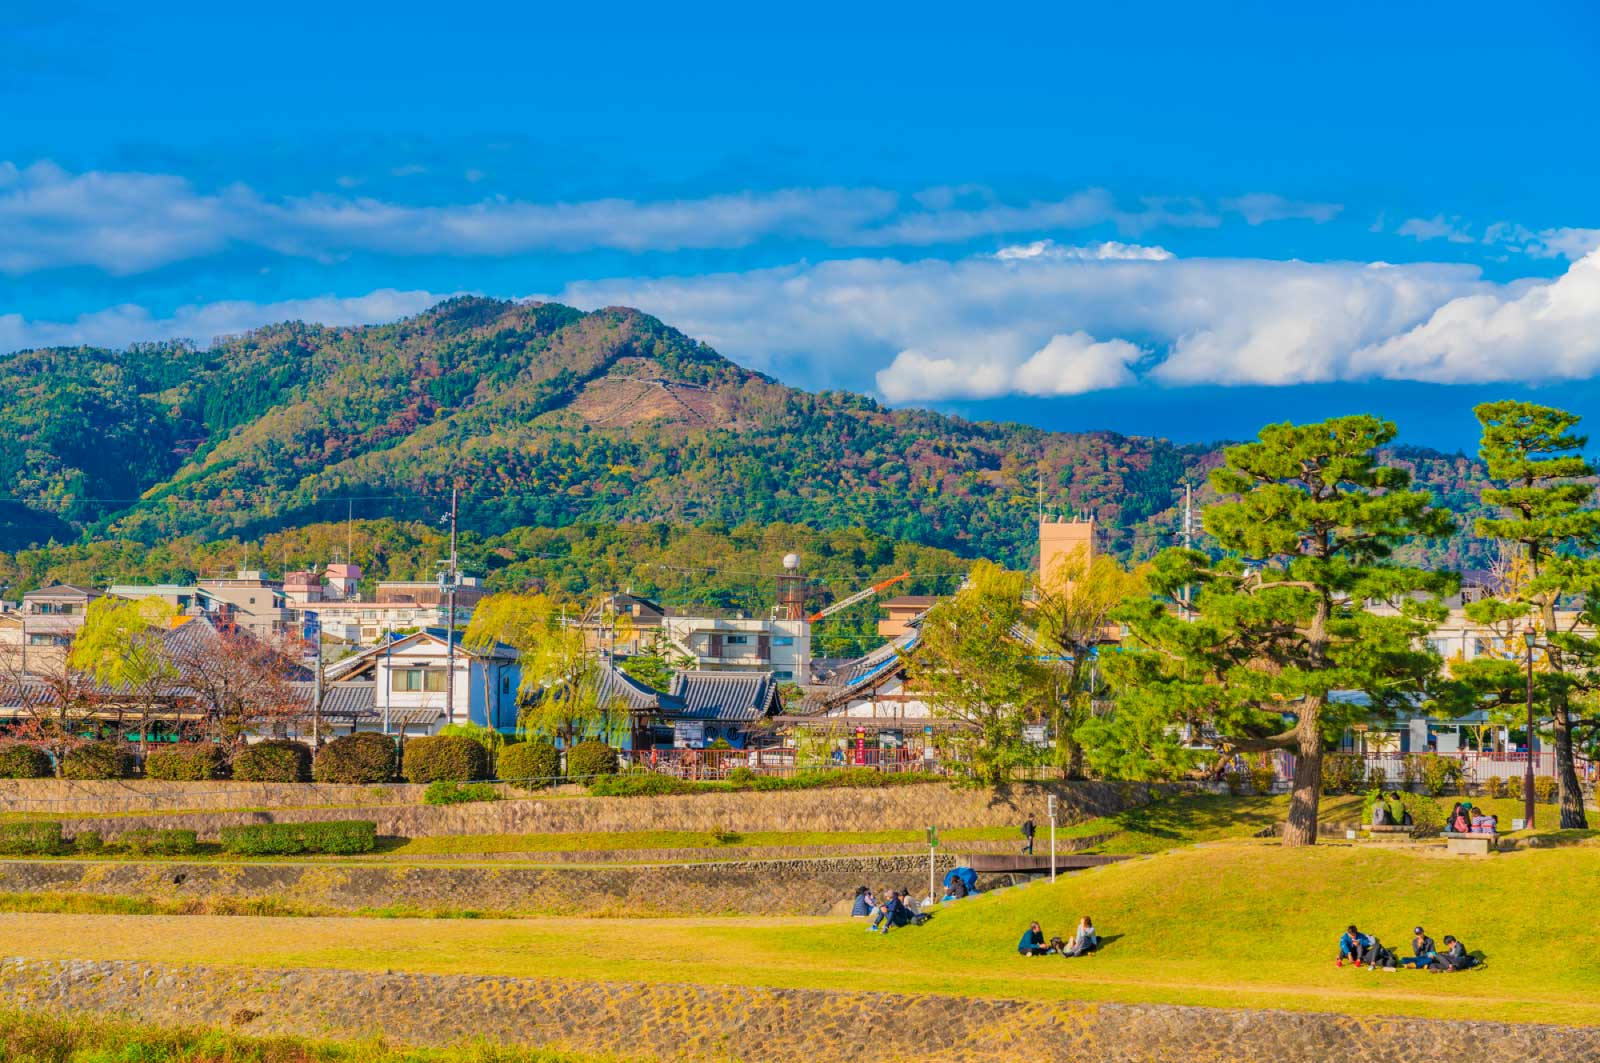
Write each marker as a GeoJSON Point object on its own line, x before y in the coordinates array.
{"type": "Point", "coordinates": [782, 647]}
{"type": "Point", "coordinates": [412, 683]}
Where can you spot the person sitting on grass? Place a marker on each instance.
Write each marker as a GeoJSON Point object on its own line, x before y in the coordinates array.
{"type": "Point", "coordinates": [1353, 945]}
{"type": "Point", "coordinates": [955, 891]}
{"type": "Point", "coordinates": [890, 914]}
{"type": "Point", "coordinates": [864, 903]}
{"type": "Point", "coordinates": [1032, 943]}
{"type": "Point", "coordinates": [1405, 819]}
{"type": "Point", "coordinates": [1422, 950]}
{"type": "Point", "coordinates": [1085, 940]}
{"type": "Point", "coordinates": [1453, 958]}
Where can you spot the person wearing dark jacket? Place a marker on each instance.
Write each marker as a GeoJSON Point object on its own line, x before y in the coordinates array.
{"type": "Point", "coordinates": [1032, 943]}
{"type": "Point", "coordinates": [1028, 831]}
{"type": "Point", "coordinates": [862, 906]}
{"type": "Point", "coordinates": [891, 914]}
{"type": "Point", "coordinates": [1353, 945]}
{"type": "Point", "coordinates": [1422, 950]}
{"type": "Point", "coordinates": [1453, 958]}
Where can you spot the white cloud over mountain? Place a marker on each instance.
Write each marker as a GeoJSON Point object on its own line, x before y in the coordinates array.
{"type": "Point", "coordinates": [125, 223]}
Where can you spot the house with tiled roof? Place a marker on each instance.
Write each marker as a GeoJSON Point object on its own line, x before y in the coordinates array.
{"type": "Point", "coordinates": [411, 679]}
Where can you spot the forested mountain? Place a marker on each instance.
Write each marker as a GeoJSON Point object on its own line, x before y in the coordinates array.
{"type": "Point", "coordinates": [546, 417]}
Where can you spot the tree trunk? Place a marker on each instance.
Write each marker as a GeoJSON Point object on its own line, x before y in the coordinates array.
{"type": "Point", "coordinates": [1302, 826]}
{"type": "Point", "coordinates": [1571, 793]}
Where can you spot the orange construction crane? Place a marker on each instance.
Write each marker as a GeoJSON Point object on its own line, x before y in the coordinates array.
{"type": "Point", "coordinates": [858, 596]}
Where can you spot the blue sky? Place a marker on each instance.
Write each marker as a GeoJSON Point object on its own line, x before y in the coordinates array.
{"type": "Point", "coordinates": [1164, 219]}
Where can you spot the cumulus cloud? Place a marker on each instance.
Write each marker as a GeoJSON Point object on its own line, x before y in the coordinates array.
{"type": "Point", "coordinates": [118, 326]}
{"type": "Point", "coordinates": [1548, 331]}
{"type": "Point", "coordinates": [126, 223]}
{"type": "Point", "coordinates": [986, 326]}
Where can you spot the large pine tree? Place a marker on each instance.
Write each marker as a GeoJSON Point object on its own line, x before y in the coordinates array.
{"type": "Point", "coordinates": [1280, 622]}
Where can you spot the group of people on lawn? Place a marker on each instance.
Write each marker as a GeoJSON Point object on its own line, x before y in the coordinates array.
{"type": "Point", "coordinates": [1365, 950]}
{"type": "Point", "coordinates": [1084, 941]}
{"type": "Point", "coordinates": [897, 909]}
{"type": "Point", "coordinates": [1464, 819]}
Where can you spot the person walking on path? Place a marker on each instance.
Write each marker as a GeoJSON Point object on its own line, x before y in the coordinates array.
{"type": "Point", "coordinates": [1028, 831]}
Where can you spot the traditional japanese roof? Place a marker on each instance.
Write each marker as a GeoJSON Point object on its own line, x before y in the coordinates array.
{"type": "Point", "coordinates": [729, 697]}
{"type": "Point", "coordinates": [350, 700]}
{"type": "Point", "coordinates": [617, 685]}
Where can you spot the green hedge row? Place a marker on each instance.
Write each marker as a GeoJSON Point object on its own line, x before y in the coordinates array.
{"type": "Point", "coordinates": [447, 758]}
{"type": "Point", "coordinates": [356, 759]}
{"type": "Point", "coordinates": [530, 764]}
{"type": "Point", "coordinates": [288, 839]}
{"type": "Point", "coordinates": [37, 838]}
{"type": "Point", "coordinates": [187, 762]}
{"type": "Point", "coordinates": [18, 760]}
{"type": "Point", "coordinates": [275, 760]}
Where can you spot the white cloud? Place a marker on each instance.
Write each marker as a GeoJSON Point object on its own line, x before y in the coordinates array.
{"type": "Point", "coordinates": [983, 326]}
{"type": "Point", "coordinates": [1570, 244]}
{"type": "Point", "coordinates": [119, 326]}
{"type": "Point", "coordinates": [1261, 207]}
{"type": "Point", "coordinates": [1437, 227]}
{"type": "Point", "coordinates": [1109, 249]}
{"type": "Point", "coordinates": [1525, 331]}
{"type": "Point", "coordinates": [126, 223]}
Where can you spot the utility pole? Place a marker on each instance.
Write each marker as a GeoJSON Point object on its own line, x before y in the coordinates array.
{"type": "Point", "coordinates": [1528, 638]}
{"type": "Point", "coordinates": [1052, 807]}
{"type": "Point", "coordinates": [1188, 543]}
{"type": "Point", "coordinates": [450, 624]}
{"type": "Point", "coordinates": [388, 669]}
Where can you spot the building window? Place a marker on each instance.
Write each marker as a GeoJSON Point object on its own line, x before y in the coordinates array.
{"type": "Point", "coordinates": [737, 640]}
{"type": "Point", "coordinates": [783, 640]}
{"type": "Point", "coordinates": [430, 680]}
{"type": "Point", "coordinates": [783, 675]}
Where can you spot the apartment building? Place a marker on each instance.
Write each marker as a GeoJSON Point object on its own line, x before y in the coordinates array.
{"type": "Point", "coordinates": [782, 647]}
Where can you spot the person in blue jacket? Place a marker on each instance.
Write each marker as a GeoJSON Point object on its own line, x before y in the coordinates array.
{"type": "Point", "coordinates": [1032, 943]}
{"type": "Point", "coordinates": [1353, 945]}
{"type": "Point", "coordinates": [864, 903]}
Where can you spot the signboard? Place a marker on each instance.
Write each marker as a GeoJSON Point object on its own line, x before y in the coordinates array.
{"type": "Point", "coordinates": [933, 838]}
{"type": "Point", "coordinates": [861, 745]}
{"type": "Point", "coordinates": [688, 734]}
{"type": "Point", "coordinates": [310, 627]}
{"type": "Point", "coordinates": [1034, 734]}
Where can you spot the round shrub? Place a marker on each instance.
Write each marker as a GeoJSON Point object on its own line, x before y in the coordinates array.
{"type": "Point", "coordinates": [275, 760]}
{"type": "Point", "coordinates": [187, 762]}
{"type": "Point", "coordinates": [530, 764]}
{"type": "Point", "coordinates": [587, 759]}
{"type": "Point", "coordinates": [97, 760]}
{"type": "Point", "coordinates": [18, 760]}
{"type": "Point", "coordinates": [447, 757]}
{"type": "Point", "coordinates": [365, 757]}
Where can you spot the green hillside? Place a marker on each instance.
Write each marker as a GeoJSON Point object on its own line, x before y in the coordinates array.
{"type": "Point", "coordinates": [545, 416]}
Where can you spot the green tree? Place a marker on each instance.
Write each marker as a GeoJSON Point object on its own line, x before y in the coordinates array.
{"type": "Point", "coordinates": [121, 645]}
{"type": "Point", "coordinates": [975, 659]}
{"type": "Point", "coordinates": [1073, 606]}
{"type": "Point", "coordinates": [1270, 638]}
{"type": "Point", "coordinates": [1544, 489]}
{"type": "Point", "coordinates": [562, 693]}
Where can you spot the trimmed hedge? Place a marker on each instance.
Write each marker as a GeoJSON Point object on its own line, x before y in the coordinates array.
{"type": "Point", "coordinates": [444, 757]}
{"type": "Point", "coordinates": [287, 839]}
{"type": "Point", "coordinates": [89, 842]}
{"type": "Point", "coordinates": [97, 760]}
{"type": "Point", "coordinates": [444, 792]}
{"type": "Point", "coordinates": [276, 760]}
{"type": "Point", "coordinates": [38, 838]}
{"type": "Point", "coordinates": [18, 760]}
{"type": "Point", "coordinates": [187, 762]}
{"type": "Point", "coordinates": [530, 764]}
{"type": "Point", "coordinates": [150, 842]}
{"type": "Point", "coordinates": [365, 757]}
{"type": "Point", "coordinates": [588, 759]}
{"type": "Point", "coordinates": [640, 782]}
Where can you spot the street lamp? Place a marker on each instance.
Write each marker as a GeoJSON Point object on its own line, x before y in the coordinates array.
{"type": "Point", "coordinates": [1528, 637]}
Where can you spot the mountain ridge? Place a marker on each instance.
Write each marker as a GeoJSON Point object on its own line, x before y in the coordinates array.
{"type": "Point", "coordinates": [546, 415]}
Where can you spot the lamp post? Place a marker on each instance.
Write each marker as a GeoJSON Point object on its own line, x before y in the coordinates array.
{"type": "Point", "coordinates": [1527, 777]}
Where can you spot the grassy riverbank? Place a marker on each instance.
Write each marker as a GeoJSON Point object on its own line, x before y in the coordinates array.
{"type": "Point", "coordinates": [1227, 924]}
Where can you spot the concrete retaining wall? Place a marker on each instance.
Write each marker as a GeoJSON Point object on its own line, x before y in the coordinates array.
{"type": "Point", "coordinates": [766, 1025]}
{"type": "Point", "coordinates": [47, 797]}
{"type": "Point", "coordinates": [899, 807]}
{"type": "Point", "coordinates": [774, 887]}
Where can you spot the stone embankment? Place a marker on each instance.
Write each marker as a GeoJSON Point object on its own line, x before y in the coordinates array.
{"type": "Point", "coordinates": [730, 1023]}
{"type": "Point", "coordinates": [911, 806]}
{"type": "Point", "coordinates": [743, 887]}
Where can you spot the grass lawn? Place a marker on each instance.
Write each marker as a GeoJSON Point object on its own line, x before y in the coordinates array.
{"type": "Point", "coordinates": [1240, 923]}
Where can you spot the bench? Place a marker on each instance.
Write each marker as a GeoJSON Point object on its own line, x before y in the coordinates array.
{"type": "Point", "coordinates": [1387, 833]}
{"type": "Point", "coordinates": [1470, 844]}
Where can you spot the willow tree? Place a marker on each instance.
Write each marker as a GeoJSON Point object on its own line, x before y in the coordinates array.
{"type": "Point", "coordinates": [1072, 617]}
{"type": "Point", "coordinates": [562, 693]}
{"type": "Point", "coordinates": [976, 660]}
{"type": "Point", "coordinates": [1309, 524]}
{"type": "Point", "coordinates": [1545, 488]}
{"type": "Point", "coordinates": [121, 645]}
